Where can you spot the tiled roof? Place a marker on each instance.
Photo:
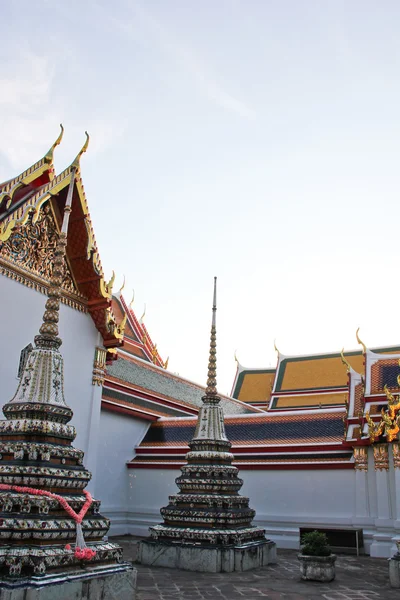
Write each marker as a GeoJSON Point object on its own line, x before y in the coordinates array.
{"type": "Point", "coordinates": [254, 385]}
{"type": "Point", "coordinates": [264, 429]}
{"type": "Point", "coordinates": [315, 372]}
{"type": "Point", "coordinates": [141, 404]}
{"type": "Point", "coordinates": [310, 440]}
{"type": "Point", "coordinates": [308, 400]}
{"type": "Point", "coordinates": [157, 380]}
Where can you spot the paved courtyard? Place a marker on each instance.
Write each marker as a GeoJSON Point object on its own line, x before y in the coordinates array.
{"type": "Point", "coordinates": [362, 578]}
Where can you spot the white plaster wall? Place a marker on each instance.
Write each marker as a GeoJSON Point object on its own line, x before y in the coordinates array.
{"type": "Point", "coordinates": [20, 318]}
{"type": "Point", "coordinates": [283, 500]}
{"type": "Point", "coordinates": [118, 436]}
{"type": "Point", "coordinates": [148, 492]}
{"type": "Point", "coordinates": [289, 499]}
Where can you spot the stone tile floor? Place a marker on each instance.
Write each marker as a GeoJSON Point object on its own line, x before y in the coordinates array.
{"type": "Point", "coordinates": [361, 578]}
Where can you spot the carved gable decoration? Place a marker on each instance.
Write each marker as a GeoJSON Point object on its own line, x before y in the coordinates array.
{"type": "Point", "coordinates": [31, 248]}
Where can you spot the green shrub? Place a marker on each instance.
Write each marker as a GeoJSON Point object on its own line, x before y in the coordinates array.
{"type": "Point", "coordinates": [315, 543]}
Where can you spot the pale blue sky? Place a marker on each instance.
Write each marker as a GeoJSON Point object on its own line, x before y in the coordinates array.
{"type": "Point", "coordinates": [256, 140]}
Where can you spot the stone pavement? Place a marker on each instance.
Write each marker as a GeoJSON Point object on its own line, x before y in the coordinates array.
{"type": "Point", "coordinates": [361, 578]}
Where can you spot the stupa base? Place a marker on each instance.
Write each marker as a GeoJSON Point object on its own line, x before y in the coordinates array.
{"type": "Point", "coordinates": [207, 559]}
{"type": "Point", "coordinates": [92, 583]}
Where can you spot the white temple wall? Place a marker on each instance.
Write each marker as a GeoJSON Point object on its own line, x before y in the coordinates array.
{"type": "Point", "coordinates": [286, 500]}
{"type": "Point", "coordinates": [283, 500]}
{"type": "Point", "coordinates": [118, 436]}
{"type": "Point", "coordinates": [384, 527]}
{"type": "Point", "coordinates": [148, 492]}
{"type": "Point", "coordinates": [21, 316]}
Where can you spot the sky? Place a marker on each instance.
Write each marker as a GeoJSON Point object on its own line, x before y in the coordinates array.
{"type": "Point", "coordinates": [254, 140]}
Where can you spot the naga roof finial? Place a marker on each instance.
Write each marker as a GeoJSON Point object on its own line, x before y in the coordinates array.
{"type": "Point", "coordinates": [360, 342]}
{"type": "Point", "coordinates": [133, 298]}
{"type": "Point", "coordinates": [276, 349]}
{"type": "Point", "coordinates": [236, 358]}
{"type": "Point", "coordinates": [122, 286]}
{"type": "Point", "coordinates": [49, 155]}
{"type": "Point", "coordinates": [82, 150]}
{"type": "Point", "coordinates": [110, 284]}
{"type": "Point", "coordinates": [142, 317]}
{"type": "Point", "coordinates": [345, 361]}
{"type": "Point", "coordinates": [166, 363]}
{"type": "Point", "coordinates": [211, 389]}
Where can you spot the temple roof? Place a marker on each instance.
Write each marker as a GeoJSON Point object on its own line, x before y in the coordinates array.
{"type": "Point", "coordinates": [311, 439]}
{"type": "Point", "coordinates": [137, 340]}
{"type": "Point", "coordinates": [301, 381]}
{"type": "Point", "coordinates": [184, 395]}
{"type": "Point", "coordinates": [22, 201]}
{"type": "Point", "coordinates": [253, 385]}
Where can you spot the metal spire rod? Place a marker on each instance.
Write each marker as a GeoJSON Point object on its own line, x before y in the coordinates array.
{"type": "Point", "coordinates": [211, 390]}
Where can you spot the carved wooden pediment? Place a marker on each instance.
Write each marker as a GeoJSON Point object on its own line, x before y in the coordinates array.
{"type": "Point", "coordinates": [31, 247]}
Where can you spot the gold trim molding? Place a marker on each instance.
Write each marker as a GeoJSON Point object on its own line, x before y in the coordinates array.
{"type": "Point", "coordinates": [37, 283]}
{"type": "Point", "coordinates": [396, 455]}
{"type": "Point", "coordinates": [360, 458]}
{"type": "Point", "coordinates": [99, 366]}
{"type": "Point", "coordinates": [381, 457]}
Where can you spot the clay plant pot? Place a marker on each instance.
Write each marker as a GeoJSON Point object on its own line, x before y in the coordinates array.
{"type": "Point", "coordinates": [317, 568]}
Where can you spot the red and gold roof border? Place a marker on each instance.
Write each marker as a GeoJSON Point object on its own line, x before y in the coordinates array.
{"type": "Point", "coordinates": [41, 171]}
{"type": "Point", "coordinates": [144, 343]}
{"type": "Point", "coordinates": [92, 285]}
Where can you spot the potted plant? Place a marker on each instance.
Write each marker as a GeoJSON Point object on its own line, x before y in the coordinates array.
{"type": "Point", "coordinates": [317, 563]}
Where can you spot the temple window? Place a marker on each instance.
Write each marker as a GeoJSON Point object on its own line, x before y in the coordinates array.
{"type": "Point", "coordinates": [23, 358]}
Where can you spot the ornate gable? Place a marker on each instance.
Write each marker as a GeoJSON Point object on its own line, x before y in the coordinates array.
{"type": "Point", "coordinates": [27, 255]}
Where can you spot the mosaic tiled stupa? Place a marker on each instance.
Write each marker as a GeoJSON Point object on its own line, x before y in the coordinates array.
{"type": "Point", "coordinates": [42, 476]}
{"type": "Point", "coordinates": [208, 524]}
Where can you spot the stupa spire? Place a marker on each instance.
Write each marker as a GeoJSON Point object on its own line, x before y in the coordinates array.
{"type": "Point", "coordinates": [211, 390]}
{"type": "Point", "coordinates": [207, 521]}
{"type": "Point", "coordinates": [42, 469]}
{"type": "Point", "coordinates": [48, 332]}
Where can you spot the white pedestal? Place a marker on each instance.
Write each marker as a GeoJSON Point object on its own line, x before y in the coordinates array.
{"type": "Point", "coordinates": [113, 583]}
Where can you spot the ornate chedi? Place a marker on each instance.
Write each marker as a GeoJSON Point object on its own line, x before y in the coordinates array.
{"type": "Point", "coordinates": [45, 512]}
{"type": "Point", "coordinates": [208, 524]}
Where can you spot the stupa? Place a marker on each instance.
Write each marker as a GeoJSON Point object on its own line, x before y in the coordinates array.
{"type": "Point", "coordinates": [51, 532]}
{"type": "Point", "coordinates": [208, 524]}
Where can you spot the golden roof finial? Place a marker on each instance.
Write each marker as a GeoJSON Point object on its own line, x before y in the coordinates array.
{"type": "Point", "coordinates": [110, 284]}
{"type": "Point", "coordinates": [120, 330]}
{"type": "Point", "coordinates": [236, 358]}
{"type": "Point", "coordinates": [83, 149]}
{"type": "Point", "coordinates": [142, 317]}
{"type": "Point", "coordinates": [276, 349]}
{"type": "Point", "coordinates": [154, 353]}
{"type": "Point", "coordinates": [49, 156]}
{"type": "Point", "coordinates": [211, 389]}
{"type": "Point", "coordinates": [345, 361]}
{"type": "Point", "coordinates": [166, 363]}
{"type": "Point", "coordinates": [360, 342]}
{"type": "Point", "coordinates": [133, 298]}
{"type": "Point", "coordinates": [122, 286]}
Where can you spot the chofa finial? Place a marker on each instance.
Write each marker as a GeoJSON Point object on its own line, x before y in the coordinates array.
{"type": "Point", "coordinates": [133, 298]}
{"type": "Point", "coordinates": [276, 349]}
{"type": "Point", "coordinates": [49, 156]}
{"type": "Point", "coordinates": [122, 286]}
{"type": "Point", "coordinates": [143, 315]}
{"type": "Point", "coordinates": [82, 150]}
{"type": "Point", "coordinates": [345, 361]}
{"type": "Point", "coordinates": [236, 358]}
{"type": "Point", "coordinates": [360, 342]}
